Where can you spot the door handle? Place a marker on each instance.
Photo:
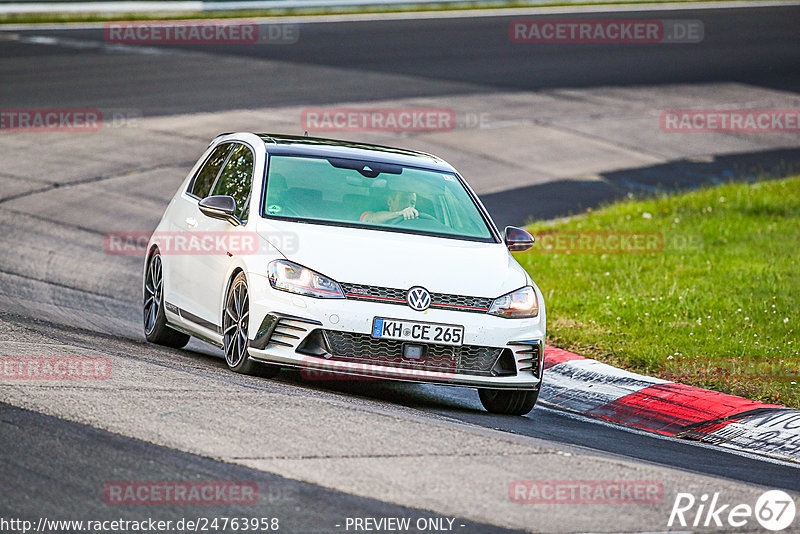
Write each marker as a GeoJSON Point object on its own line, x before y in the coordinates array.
{"type": "Point", "coordinates": [191, 222]}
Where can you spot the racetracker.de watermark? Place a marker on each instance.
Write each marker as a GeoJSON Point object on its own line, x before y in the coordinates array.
{"type": "Point", "coordinates": [585, 492]}
{"type": "Point", "coordinates": [180, 493]}
{"type": "Point", "coordinates": [197, 243]}
{"type": "Point", "coordinates": [585, 31]}
{"type": "Point", "coordinates": [73, 120]}
{"type": "Point", "coordinates": [598, 242]}
{"type": "Point", "coordinates": [378, 119]}
{"type": "Point", "coordinates": [54, 368]}
{"type": "Point", "coordinates": [730, 121]}
{"type": "Point", "coordinates": [200, 32]}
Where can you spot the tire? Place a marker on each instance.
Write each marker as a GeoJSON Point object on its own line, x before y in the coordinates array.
{"type": "Point", "coordinates": [235, 319]}
{"type": "Point", "coordinates": [155, 322]}
{"type": "Point", "coordinates": [508, 402]}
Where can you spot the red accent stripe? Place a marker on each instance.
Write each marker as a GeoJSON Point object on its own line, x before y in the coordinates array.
{"type": "Point", "coordinates": [671, 407]}
{"type": "Point", "coordinates": [459, 307]}
{"type": "Point", "coordinates": [554, 356]}
{"type": "Point", "coordinates": [385, 299]}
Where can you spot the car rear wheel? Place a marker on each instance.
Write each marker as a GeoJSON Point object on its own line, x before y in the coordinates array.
{"type": "Point", "coordinates": [235, 320]}
{"type": "Point", "coordinates": [155, 322]}
{"type": "Point", "coordinates": [508, 402]}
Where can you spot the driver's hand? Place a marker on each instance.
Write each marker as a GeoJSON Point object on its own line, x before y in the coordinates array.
{"type": "Point", "coordinates": [409, 213]}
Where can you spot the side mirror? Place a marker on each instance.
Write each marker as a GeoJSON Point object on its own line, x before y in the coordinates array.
{"type": "Point", "coordinates": [518, 239]}
{"type": "Point", "coordinates": [220, 207]}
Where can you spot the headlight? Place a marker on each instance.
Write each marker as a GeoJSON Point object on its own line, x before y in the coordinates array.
{"type": "Point", "coordinates": [288, 276]}
{"type": "Point", "coordinates": [517, 304]}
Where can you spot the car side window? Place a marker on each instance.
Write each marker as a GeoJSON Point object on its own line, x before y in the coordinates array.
{"type": "Point", "coordinates": [201, 185]}
{"type": "Point", "coordinates": [236, 179]}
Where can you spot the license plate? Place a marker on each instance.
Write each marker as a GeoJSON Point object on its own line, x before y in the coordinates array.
{"type": "Point", "coordinates": [442, 334]}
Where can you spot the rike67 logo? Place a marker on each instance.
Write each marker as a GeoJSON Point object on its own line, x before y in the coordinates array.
{"type": "Point", "coordinates": [774, 510]}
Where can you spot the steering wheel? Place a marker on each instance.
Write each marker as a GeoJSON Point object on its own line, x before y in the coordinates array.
{"type": "Point", "coordinates": [399, 220]}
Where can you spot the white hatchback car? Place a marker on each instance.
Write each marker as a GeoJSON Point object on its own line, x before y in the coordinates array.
{"type": "Point", "coordinates": [349, 258]}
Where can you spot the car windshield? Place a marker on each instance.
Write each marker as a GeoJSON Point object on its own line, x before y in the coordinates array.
{"type": "Point", "coordinates": [376, 195]}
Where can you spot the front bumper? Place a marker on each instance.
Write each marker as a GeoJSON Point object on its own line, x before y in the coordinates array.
{"type": "Point", "coordinates": [327, 336]}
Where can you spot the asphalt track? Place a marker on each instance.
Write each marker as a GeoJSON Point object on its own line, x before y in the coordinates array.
{"type": "Point", "coordinates": [58, 476]}
{"type": "Point", "coordinates": [398, 58]}
{"type": "Point", "coordinates": [57, 466]}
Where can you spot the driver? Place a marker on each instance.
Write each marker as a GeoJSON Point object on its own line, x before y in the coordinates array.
{"type": "Point", "coordinates": [400, 204]}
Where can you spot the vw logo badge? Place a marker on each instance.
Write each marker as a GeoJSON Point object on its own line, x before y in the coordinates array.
{"type": "Point", "coordinates": [418, 298]}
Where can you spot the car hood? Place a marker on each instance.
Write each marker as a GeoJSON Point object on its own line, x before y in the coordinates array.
{"type": "Point", "coordinates": [399, 260]}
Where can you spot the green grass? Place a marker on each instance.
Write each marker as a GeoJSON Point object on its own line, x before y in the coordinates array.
{"type": "Point", "coordinates": [34, 18]}
{"type": "Point", "coordinates": [720, 298]}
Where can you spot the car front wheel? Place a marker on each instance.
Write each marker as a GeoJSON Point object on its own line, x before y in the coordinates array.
{"type": "Point", "coordinates": [508, 402]}
{"type": "Point", "coordinates": [235, 320]}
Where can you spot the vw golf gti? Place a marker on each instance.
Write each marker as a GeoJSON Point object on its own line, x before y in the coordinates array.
{"type": "Point", "coordinates": [346, 258]}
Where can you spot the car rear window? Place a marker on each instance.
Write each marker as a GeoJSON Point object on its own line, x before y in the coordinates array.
{"type": "Point", "coordinates": [201, 185]}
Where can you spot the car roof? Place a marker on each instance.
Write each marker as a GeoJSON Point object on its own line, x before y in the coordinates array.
{"type": "Point", "coordinates": [323, 147]}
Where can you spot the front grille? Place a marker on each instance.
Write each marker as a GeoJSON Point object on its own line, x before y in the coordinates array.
{"type": "Point", "coordinates": [442, 301]}
{"type": "Point", "coordinates": [363, 348]}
